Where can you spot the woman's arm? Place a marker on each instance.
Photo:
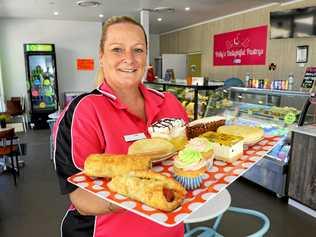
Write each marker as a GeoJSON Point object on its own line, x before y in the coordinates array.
{"type": "Point", "coordinates": [89, 204]}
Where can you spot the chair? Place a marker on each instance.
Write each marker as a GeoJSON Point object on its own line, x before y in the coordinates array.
{"type": "Point", "coordinates": [51, 123]}
{"type": "Point", "coordinates": [16, 108]}
{"type": "Point", "coordinates": [215, 208]}
{"type": "Point", "coordinates": [233, 81]}
{"type": "Point", "coordinates": [7, 148]}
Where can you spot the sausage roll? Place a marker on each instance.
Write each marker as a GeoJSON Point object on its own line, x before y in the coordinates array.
{"type": "Point", "coordinates": [153, 189]}
{"type": "Point", "coordinates": [106, 165]}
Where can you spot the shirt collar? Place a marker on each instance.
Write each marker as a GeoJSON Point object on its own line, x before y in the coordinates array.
{"type": "Point", "coordinates": [153, 99]}
{"type": "Point", "coordinates": [107, 91]}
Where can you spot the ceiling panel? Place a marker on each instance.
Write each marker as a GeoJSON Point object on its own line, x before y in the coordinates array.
{"type": "Point", "coordinates": [201, 10]}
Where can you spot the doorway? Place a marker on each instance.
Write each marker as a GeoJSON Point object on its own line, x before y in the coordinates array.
{"type": "Point", "coordinates": [194, 64]}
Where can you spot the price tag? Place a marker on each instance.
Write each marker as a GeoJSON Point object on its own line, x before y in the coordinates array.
{"type": "Point", "coordinates": [290, 118]}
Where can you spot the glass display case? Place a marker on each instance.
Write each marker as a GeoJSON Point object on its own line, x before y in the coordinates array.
{"type": "Point", "coordinates": [193, 97]}
{"type": "Point", "coordinates": [274, 111]}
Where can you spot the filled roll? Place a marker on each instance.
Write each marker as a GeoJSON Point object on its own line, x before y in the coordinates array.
{"type": "Point", "coordinates": [106, 165]}
{"type": "Point", "coordinates": [153, 189]}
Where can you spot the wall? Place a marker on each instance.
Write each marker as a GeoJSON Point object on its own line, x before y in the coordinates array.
{"type": "Point", "coordinates": [154, 49]}
{"type": "Point", "coordinates": [2, 105]}
{"type": "Point", "coordinates": [72, 39]}
{"type": "Point", "coordinates": [280, 51]}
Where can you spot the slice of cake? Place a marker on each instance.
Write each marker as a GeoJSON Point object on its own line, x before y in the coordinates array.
{"type": "Point", "coordinates": [228, 148]}
{"type": "Point", "coordinates": [172, 129]}
{"type": "Point", "coordinates": [250, 134]}
{"type": "Point", "coordinates": [200, 126]}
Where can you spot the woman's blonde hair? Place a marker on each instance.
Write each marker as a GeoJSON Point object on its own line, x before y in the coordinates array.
{"type": "Point", "coordinates": [111, 21]}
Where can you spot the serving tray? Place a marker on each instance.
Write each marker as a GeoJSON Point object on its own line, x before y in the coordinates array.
{"type": "Point", "coordinates": [215, 179]}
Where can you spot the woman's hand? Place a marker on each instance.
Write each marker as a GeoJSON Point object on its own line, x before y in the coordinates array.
{"type": "Point", "coordinates": [89, 204]}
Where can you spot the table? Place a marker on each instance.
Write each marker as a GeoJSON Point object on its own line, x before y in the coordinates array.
{"type": "Point", "coordinates": [18, 127]}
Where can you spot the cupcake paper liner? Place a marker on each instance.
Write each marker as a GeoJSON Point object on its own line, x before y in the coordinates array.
{"type": "Point", "coordinates": [188, 182]}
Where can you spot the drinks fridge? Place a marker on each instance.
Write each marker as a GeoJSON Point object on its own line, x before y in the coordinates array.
{"type": "Point", "coordinates": [41, 74]}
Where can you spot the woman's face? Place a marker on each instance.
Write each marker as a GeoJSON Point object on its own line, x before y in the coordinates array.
{"type": "Point", "coordinates": [124, 55]}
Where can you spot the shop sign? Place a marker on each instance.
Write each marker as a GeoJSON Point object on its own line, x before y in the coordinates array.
{"type": "Point", "coordinates": [39, 48]}
{"type": "Point", "coordinates": [241, 47]}
{"type": "Point", "coordinates": [85, 64]}
{"type": "Point", "coordinates": [309, 78]}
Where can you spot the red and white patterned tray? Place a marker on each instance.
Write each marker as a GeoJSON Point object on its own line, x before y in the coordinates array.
{"type": "Point", "coordinates": [217, 178]}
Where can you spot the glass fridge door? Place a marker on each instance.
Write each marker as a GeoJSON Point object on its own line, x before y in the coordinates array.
{"type": "Point", "coordinates": [42, 83]}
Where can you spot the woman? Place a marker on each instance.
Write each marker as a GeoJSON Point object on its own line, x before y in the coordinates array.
{"type": "Point", "coordinates": [99, 121]}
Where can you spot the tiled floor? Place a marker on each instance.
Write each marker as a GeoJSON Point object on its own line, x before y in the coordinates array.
{"type": "Point", "coordinates": [35, 208]}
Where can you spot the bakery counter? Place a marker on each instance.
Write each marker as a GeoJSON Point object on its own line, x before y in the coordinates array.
{"type": "Point", "coordinates": [302, 169]}
{"type": "Point", "coordinates": [271, 171]}
{"type": "Point", "coordinates": [309, 130]}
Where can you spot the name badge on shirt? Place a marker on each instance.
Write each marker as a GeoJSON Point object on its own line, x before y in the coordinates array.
{"type": "Point", "coordinates": [134, 137]}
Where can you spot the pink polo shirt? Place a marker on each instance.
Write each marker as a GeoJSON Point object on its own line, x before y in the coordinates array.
{"type": "Point", "coordinates": [97, 122]}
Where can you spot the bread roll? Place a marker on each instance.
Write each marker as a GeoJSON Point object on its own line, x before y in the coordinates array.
{"type": "Point", "coordinates": [156, 148]}
{"type": "Point", "coordinates": [106, 165]}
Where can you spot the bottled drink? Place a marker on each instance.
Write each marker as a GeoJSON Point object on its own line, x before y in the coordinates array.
{"type": "Point", "coordinates": [290, 81]}
{"type": "Point", "coordinates": [189, 80]}
{"type": "Point", "coordinates": [247, 77]}
{"type": "Point", "coordinates": [250, 83]}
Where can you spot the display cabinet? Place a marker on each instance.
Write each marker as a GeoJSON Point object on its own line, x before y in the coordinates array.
{"type": "Point", "coordinates": [193, 97]}
{"type": "Point", "coordinates": [274, 111]}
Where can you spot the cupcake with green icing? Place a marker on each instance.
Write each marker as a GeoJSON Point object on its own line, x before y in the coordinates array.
{"type": "Point", "coordinates": [203, 145]}
{"type": "Point", "coordinates": [189, 166]}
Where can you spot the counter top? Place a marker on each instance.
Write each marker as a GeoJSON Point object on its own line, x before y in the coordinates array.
{"type": "Point", "coordinates": [270, 92]}
{"type": "Point", "coordinates": [182, 83]}
{"type": "Point", "coordinates": [307, 130]}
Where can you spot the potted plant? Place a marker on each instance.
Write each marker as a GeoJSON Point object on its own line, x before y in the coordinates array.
{"type": "Point", "coordinates": [3, 120]}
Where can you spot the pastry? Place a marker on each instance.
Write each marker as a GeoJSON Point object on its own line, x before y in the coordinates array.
{"type": "Point", "coordinates": [156, 148]}
{"type": "Point", "coordinates": [228, 148]}
{"type": "Point", "coordinates": [189, 166]}
{"type": "Point", "coordinates": [202, 145]}
{"type": "Point", "coordinates": [172, 129]}
{"type": "Point", "coordinates": [250, 134]}
{"type": "Point", "coordinates": [106, 165]}
{"type": "Point", "coordinates": [200, 126]}
{"type": "Point", "coordinates": [153, 189]}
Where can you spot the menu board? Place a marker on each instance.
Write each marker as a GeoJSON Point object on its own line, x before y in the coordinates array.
{"type": "Point", "coordinates": [309, 78]}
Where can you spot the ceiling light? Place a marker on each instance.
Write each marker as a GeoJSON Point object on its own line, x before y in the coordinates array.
{"type": "Point", "coordinates": [159, 19]}
{"type": "Point", "coordinates": [56, 13]}
{"type": "Point", "coordinates": [160, 9]}
{"type": "Point", "coordinates": [164, 9]}
{"type": "Point", "coordinates": [187, 8]}
{"type": "Point", "coordinates": [101, 15]}
{"type": "Point", "coordinates": [88, 3]}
